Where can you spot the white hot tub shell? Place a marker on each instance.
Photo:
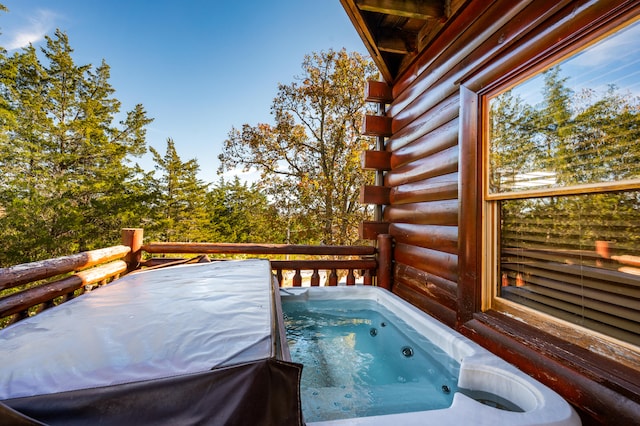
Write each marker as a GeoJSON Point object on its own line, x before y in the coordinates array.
{"type": "Point", "coordinates": [480, 371]}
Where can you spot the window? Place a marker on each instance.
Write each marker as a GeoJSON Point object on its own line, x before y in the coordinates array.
{"type": "Point", "coordinates": [562, 189]}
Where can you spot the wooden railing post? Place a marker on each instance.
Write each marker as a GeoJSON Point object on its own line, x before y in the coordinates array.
{"type": "Point", "coordinates": [385, 260]}
{"type": "Point", "coordinates": [132, 238]}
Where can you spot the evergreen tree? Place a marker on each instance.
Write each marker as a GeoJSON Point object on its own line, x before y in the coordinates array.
{"type": "Point", "coordinates": [182, 198]}
{"type": "Point", "coordinates": [580, 138]}
{"type": "Point", "coordinates": [513, 149]}
{"type": "Point", "coordinates": [65, 165]}
{"type": "Point", "coordinates": [240, 213]}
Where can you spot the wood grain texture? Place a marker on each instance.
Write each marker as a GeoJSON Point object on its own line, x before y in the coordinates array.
{"type": "Point", "coordinates": [437, 288]}
{"type": "Point", "coordinates": [23, 300]}
{"type": "Point", "coordinates": [435, 237]}
{"type": "Point", "coordinates": [441, 138]}
{"type": "Point", "coordinates": [440, 163]}
{"type": "Point", "coordinates": [425, 303]}
{"type": "Point", "coordinates": [444, 265]}
{"type": "Point", "coordinates": [27, 272]}
{"type": "Point", "coordinates": [237, 248]}
{"type": "Point", "coordinates": [443, 187]}
{"type": "Point", "coordinates": [427, 213]}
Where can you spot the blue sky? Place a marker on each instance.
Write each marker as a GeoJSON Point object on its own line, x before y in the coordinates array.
{"type": "Point", "coordinates": [199, 67]}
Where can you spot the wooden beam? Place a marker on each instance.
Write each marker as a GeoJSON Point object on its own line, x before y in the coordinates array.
{"type": "Point", "coordinates": [369, 229]}
{"type": "Point", "coordinates": [392, 42]}
{"type": "Point", "coordinates": [27, 272]}
{"type": "Point", "coordinates": [365, 34]}
{"type": "Point", "coordinates": [376, 125]}
{"type": "Point", "coordinates": [373, 194]}
{"type": "Point", "coordinates": [418, 9]}
{"type": "Point", "coordinates": [375, 160]}
{"type": "Point", "coordinates": [22, 300]}
{"type": "Point", "coordinates": [248, 248]}
{"type": "Point", "coordinates": [378, 91]}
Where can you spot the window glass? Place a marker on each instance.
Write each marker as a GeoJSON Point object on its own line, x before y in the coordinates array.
{"type": "Point", "coordinates": [576, 258]}
{"type": "Point", "coordinates": [563, 174]}
{"type": "Point", "coordinates": [575, 123]}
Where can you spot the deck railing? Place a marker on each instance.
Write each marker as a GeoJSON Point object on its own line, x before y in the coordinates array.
{"type": "Point", "coordinates": [32, 287]}
{"type": "Point", "coordinates": [29, 288]}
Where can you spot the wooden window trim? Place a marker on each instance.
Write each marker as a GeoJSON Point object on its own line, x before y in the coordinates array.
{"type": "Point", "coordinates": [591, 188]}
{"type": "Point", "coordinates": [525, 337]}
{"type": "Point", "coordinates": [610, 347]}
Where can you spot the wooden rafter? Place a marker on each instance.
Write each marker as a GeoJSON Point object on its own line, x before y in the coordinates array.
{"type": "Point", "coordinates": [395, 31]}
{"type": "Point", "coordinates": [395, 41]}
{"type": "Point", "coordinates": [417, 9]}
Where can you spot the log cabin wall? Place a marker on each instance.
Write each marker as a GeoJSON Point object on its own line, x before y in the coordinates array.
{"type": "Point", "coordinates": [435, 195]}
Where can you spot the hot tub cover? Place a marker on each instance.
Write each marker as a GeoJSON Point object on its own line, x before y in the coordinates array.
{"type": "Point", "coordinates": [179, 345]}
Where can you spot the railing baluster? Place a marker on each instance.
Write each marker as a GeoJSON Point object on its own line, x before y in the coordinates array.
{"type": "Point", "coordinates": [96, 268]}
{"type": "Point", "coordinates": [38, 308]}
{"type": "Point", "coordinates": [297, 279]}
{"type": "Point", "coordinates": [366, 278]}
{"type": "Point", "coordinates": [333, 278]}
{"type": "Point", "coordinates": [351, 278]}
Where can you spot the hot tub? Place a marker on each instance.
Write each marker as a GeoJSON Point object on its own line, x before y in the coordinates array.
{"type": "Point", "coordinates": [469, 384]}
{"type": "Point", "coordinates": [192, 344]}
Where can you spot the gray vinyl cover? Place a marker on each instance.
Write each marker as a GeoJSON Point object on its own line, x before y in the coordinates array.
{"type": "Point", "coordinates": [191, 344]}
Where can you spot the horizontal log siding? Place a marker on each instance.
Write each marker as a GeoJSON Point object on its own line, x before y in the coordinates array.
{"type": "Point", "coordinates": [443, 238]}
{"type": "Point", "coordinates": [424, 145]}
{"type": "Point", "coordinates": [443, 187]}
{"type": "Point", "coordinates": [408, 290]}
{"type": "Point", "coordinates": [424, 201]}
{"type": "Point", "coordinates": [442, 162]}
{"type": "Point", "coordinates": [433, 236]}
{"type": "Point", "coordinates": [441, 138]}
{"type": "Point", "coordinates": [436, 262]}
{"type": "Point", "coordinates": [424, 122]}
{"type": "Point", "coordinates": [433, 286]}
{"type": "Point", "coordinates": [434, 294]}
{"type": "Point", "coordinates": [427, 213]}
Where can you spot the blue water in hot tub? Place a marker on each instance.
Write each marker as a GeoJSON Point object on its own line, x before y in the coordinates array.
{"type": "Point", "coordinates": [361, 360]}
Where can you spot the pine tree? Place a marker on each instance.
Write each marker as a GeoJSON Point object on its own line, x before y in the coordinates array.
{"type": "Point", "coordinates": [182, 198]}
{"type": "Point", "coordinates": [66, 166]}
{"type": "Point", "coordinates": [239, 213]}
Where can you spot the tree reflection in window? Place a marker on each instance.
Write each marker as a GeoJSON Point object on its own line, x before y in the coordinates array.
{"type": "Point", "coordinates": [564, 171]}
{"type": "Point", "coordinates": [572, 124]}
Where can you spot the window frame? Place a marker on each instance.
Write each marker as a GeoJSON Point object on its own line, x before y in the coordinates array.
{"type": "Point", "coordinates": [476, 90]}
